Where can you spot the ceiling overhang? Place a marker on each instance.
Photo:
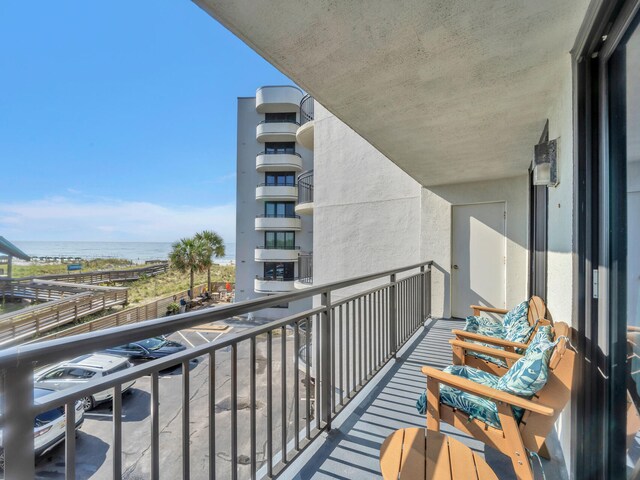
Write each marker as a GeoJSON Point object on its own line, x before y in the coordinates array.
{"type": "Point", "coordinates": [450, 90]}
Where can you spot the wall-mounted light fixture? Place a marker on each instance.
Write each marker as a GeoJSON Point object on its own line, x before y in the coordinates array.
{"type": "Point", "coordinates": [545, 167]}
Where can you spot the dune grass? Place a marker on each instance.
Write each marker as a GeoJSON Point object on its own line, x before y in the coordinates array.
{"type": "Point", "coordinates": [87, 266]}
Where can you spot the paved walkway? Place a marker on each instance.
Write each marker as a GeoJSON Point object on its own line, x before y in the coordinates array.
{"type": "Point", "coordinates": [351, 450]}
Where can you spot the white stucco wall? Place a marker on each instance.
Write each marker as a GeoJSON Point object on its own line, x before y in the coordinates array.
{"type": "Point", "coordinates": [436, 234]}
{"type": "Point", "coordinates": [560, 298]}
{"type": "Point", "coordinates": [366, 210]}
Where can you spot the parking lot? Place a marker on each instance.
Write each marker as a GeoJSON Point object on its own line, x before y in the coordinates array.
{"type": "Point", "coordinates": [93, 455]}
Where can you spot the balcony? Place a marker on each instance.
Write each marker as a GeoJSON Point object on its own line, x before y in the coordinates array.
{"type": "Point", "coordinates": [274, 99]}
{"type": "Point", "coordinates": [276, 131]}
{"type": "Point", "coordinates": [271, 285]}
{"type": "Point", "coordinates": [278, 222]}
{"type": "Point", "coordinates": [305, 270]}
{"type": "Point", "coordinates": [274, 162]}
{"type": "Point", "coordinates": [305, 134]}
{"type": "Point", "coordinates": [276, 192]}
{"type": "Point", "coordinates": [276, 254]}
{"type": "Point", "coordinates": [263, 393]}
{"type": "Point", "coordinates": [305, 193]}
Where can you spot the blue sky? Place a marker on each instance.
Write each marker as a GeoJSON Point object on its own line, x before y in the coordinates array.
{"type": "Point", "coordinates": [118, 118]}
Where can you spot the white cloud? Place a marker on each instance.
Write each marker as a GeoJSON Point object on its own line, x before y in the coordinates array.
{"type": "Point", "coordinates": [61, 218]}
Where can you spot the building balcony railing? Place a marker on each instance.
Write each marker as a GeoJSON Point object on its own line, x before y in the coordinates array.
{"type": "Point", "coordinates": [284, 192]}
{"type": "Point", "coordinates": [305, 134]}
{"type": "Point", "coordinates": [276, 131]}
{"type": "Point", "coordinates": [306, 109]}
{"type": "Point", "coordinates": [275, 98]}
{"type": "Point", "coordinates": [305, 268]}
{"type": "Point", "coordinates": [305, 192]}
{"type": "Point", "coordinates": [241, 371]}
{"type": "Point", "coordinates": [278, 222]}
{"type": "Point", "coordinates": [273, 162]}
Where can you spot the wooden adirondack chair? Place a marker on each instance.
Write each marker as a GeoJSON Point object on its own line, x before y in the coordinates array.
{"type": "Point", "coordinates": [463, 350]}
{"type": "Point", "coordinates": [513, 439]}
{"type": "Point", "coordinates": [537, 313]}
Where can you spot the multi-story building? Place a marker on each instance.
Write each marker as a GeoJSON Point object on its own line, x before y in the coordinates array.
{"type": "Point", "coordinates": [271, 237]}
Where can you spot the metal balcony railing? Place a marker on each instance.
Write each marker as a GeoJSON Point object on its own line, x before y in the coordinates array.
{"type": "Point", "coordinates": [264, 152]}
{"type": "Point", "coordinates": [285, 184]}
{"type": "Point", "coordinates": [306, 109]}
{"type": "Point", "coordinates": [352, 338]}
{"type": "Point", "coordinates": [278, 121]}
{"type": "Point", "coordinates": [305, 187]}
{"type": "Point", "coordinates": [278, 247]}
{"type": "Point", "coordinates": [277, 215]}
{"type": "Point", "coordinates": [305, 268]}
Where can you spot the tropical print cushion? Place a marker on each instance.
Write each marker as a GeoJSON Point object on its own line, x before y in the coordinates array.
{"type": "Point", "coordinates": [484, 326]}
{"type": "Point", "coordinates": [497, 361]}
{"type": "Point", "coordinates": [515, 314]}
{"type": "Point", "coordinates": [529, 374]}
{"type": "Point", "coordinates": [520, 331]}
{"type": "Point", "coordinates": [477, 407]}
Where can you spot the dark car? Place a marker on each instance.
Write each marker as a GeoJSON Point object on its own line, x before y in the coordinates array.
{"type": "Point", "coordinates": [148, 349]}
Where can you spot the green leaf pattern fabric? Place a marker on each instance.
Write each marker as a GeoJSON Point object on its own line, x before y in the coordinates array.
{"type": "Point", "coordinates": [477, 407]}
{"type": "Point", "coordinates": [530, 373]}
{"type": "Point", "coordinates": [484, 326]}
{"type": "Point", "coordinates": [515, 314]}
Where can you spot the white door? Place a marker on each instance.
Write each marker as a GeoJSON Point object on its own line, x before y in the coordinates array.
{"type": "Point", "coordinates": [478, 257]}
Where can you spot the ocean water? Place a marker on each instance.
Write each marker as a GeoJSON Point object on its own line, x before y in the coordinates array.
{"type": "Point", "coordinates": [137, 252]}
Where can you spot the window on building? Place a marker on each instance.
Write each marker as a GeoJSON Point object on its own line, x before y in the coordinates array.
{"type": "Point", "coordinates": [280, 117]}
{"type": "Point", "coordinates": [280, 147]}
{"type": "Point", "coordinates": [278, 271]}
{"type": "Point", "coordinates": [287, 179]}
{"type": "Point", "coordinates": [286, 240]}
{"type": "Point", "coordinates": [279, 209]}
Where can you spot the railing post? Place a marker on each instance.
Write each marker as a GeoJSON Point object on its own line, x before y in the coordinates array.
{"type": "Point", "coordinates": [325, 359]}
{"type": "Point", "coordinates": [428, 292]}
{"type": "Point", "coordinates": [18, 427]}
{"type": "Point", "coordinates": [392, 316]}
{"type": "Point", "coordinates": [422, 294]}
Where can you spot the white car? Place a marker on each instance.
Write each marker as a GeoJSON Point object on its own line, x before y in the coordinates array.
{"type": "Point", "coordinates": [81, 370]}
{"type": "Point", "coordinates": [49, 427]}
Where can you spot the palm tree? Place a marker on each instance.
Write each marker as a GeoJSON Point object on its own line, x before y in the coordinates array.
{"type": "Point", "coordinates": [189, 255]}
{"type": "Point", "coordinates": [215, 246]}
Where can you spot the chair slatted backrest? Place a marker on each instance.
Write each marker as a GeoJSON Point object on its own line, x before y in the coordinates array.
{"type": "Point", "coordinates": [534, 427]}
{"type": "Point", "coordinates": [537, 310]}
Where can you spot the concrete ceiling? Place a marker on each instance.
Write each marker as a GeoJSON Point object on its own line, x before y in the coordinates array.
{"type": "Point", "coordinates": [449, 90]}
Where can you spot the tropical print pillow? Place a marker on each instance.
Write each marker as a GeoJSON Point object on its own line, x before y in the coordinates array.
{"type": "Point", "coordinates": [484, 326]}
{"type": "Point", "coordinates": [520, 330]}
{"type": "Point", "coordinates": [530, 373]}
{"type": "Point", "coordinates": [515, 314]}
{"type": "Point", "coordinates": [476, 407]}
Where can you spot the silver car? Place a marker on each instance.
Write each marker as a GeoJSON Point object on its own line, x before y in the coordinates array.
{"type": "Point", "coordinates": [49, 427]}
{"type": "Point", "coordinates": [81, 370]}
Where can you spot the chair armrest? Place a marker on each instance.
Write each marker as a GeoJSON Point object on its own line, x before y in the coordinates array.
{"type": "Point", "coordinates": [479, 308]}
{"type": "Point", "coordinates": [494, 352]}
{"type": "Point", "coordinates": [462, 335]}
{"type": "Point", "coordinates": [486, 392]}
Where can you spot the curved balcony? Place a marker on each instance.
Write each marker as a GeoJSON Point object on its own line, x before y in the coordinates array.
{"type": "Point", "coordinates": [276, 131]}
{"type": "Point", "coordinates": [305, 271]}
{"type": "Point", "coordinates": [277, 162]}
{"type": "Point", "coordinates": [271, 254]}
{"type": "Point", "coordinates": [271, 285]}
{"type": "Point", "coordinates": [305, 193]}
{"type": "Point", "coordinates": [278, 222]}
{"type": "Point", "coordinates": [277, 192]}
{"type": "Point", "coordinates": [304, 135]}
{"type": "Point", "coordinates": [276, 99]}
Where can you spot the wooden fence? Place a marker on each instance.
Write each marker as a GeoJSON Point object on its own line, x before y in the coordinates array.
{"type": "Point", "coordinates": [24, 324]}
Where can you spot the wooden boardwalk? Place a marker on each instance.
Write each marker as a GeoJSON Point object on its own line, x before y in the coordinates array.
{"type": "Point", "coordinates": [22, 325]}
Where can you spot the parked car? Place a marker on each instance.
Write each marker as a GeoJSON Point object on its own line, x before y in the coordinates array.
{"type": "Point", "coordinates": [49, 427]}
{"type": "Point", "coordinates": [81, 370]}
{"type": "Point", "coordinates": [149, 349]}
